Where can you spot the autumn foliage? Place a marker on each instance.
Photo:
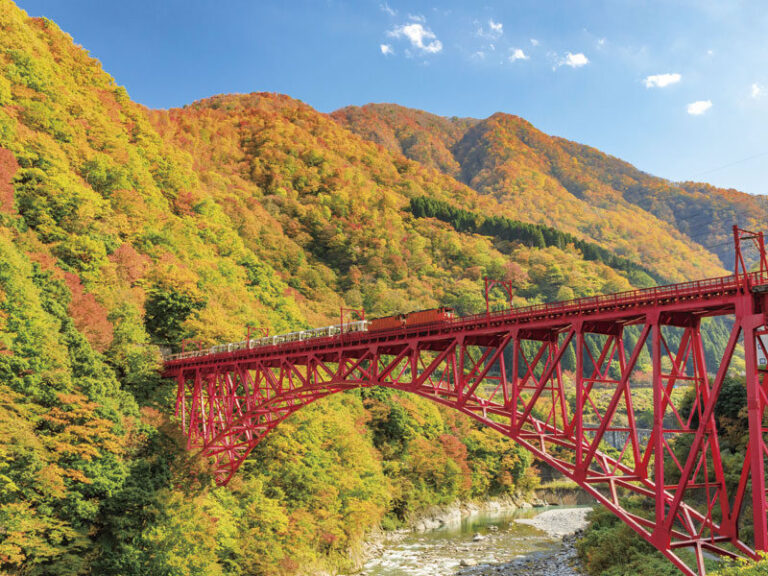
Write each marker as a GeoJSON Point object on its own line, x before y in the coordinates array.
{"type": "Point", "coordinates": [125, 230]}
{"type": "Point", "coordinates": [8, 169]}
{"type": "Point", "coordinates": [88, 314]}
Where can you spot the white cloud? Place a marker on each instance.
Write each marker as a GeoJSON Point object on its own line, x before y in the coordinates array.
{"type": "Point", "coordinates": [386, 8]}
{"type": "Point", "coordinates": [494, 31]}
{"type": "Point", "coordinates": [699, 107]}
{"type": "Point", "coordinates": [419, 36]}
{"type": "Point", "coordinates": [756, 91]}
{"type": "Point", "coordinates": [386, 49]}
{"type": "Point", "coordinates": [534, 42]}
{"type": "Point", "coordinates": [662, 80]}
{"type": "Point", "coordinates": [517, 54]}
{"type": "Point", "coordinates": [574, 60]}
{"type": "Point", "coordinates": [417, 18]}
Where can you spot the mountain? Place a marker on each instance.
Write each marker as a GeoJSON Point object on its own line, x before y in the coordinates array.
{"type": "Point", "coordinates": [576, 188]}
{"type": "Point", "coordinates": [125, 230]}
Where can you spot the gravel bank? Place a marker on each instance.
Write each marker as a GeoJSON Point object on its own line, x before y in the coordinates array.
{"type": "Point", "coordinates": [559, 522]}
{"type": "Point", "coordinates": [564, 525]}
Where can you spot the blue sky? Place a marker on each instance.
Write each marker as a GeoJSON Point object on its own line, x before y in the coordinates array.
{"type": "Point", "coordinates": [677, 87]}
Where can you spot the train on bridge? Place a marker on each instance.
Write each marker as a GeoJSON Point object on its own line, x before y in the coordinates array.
{"type": "Point", "coordinates": [395, 322]}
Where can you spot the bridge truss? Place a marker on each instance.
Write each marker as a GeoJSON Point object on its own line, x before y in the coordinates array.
{"type": "Point", "coordinates": [505, 369]}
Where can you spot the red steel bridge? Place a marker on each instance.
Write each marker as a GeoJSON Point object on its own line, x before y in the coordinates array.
{"type": "Point", "coordinates": [505, 369]}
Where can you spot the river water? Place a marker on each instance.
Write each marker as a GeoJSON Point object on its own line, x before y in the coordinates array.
{"type": "Point", "coordinates": [483, 538]}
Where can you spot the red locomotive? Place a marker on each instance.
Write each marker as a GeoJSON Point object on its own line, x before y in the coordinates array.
{"type": "Point", "coordinates": [416, 318]}
{"type": "Point", "coordinates": [429, 316]}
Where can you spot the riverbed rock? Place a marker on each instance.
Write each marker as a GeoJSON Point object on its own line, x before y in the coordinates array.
{"type": "Point", "coordinates": [478, 556]}
{"type": "Point", "coordinates": [439, 517]}
{"type": "Point", "coordinates": [558, 561]}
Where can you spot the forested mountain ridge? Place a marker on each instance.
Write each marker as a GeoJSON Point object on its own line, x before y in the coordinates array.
{"type": "Point", "coordinates": [124, 229]}
{"type": "Point", "coordinates": [546, 179]}
{"type": "Point", "coordinates": [421, 136]}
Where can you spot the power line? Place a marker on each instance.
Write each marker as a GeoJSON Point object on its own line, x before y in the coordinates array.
{"type": "Point", "coordinates": [711, 247]}
{"type": "Point", "coordinates": [724, 166]}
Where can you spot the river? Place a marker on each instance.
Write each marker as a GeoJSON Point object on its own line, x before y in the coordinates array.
{"type": "Point", "coordinates": [499, 542]}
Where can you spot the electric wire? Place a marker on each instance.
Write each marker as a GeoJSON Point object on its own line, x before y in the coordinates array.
{"type": "Point", "coordinates": [736, 162]}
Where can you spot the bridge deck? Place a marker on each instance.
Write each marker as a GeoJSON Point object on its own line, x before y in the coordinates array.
{"type": "Point", "coordinates": [709, 297]}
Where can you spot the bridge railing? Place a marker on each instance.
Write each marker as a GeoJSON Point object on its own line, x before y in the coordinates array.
{"type": "Point", "coordinates": [642, 295]}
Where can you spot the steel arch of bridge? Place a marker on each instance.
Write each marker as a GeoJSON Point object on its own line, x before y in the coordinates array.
{"type": "Point", "coordinates": [505, 370]}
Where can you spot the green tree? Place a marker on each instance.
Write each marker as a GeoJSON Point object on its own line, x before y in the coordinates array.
{"type": "Point", "coordinates": [166, 311]}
